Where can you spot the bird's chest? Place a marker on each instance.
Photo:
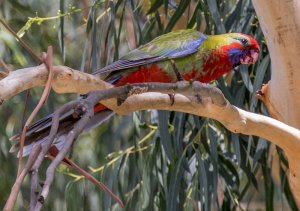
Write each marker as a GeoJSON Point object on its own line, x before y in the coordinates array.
{"type": "Point", "coordinates": [203, 67]}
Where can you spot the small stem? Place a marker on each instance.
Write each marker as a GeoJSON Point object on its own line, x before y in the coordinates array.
{"type": "Point", "coordinates": [17, 185]}
{"type": "Point", "coordinates": [30, 51]}
{"type": "Point", "coordinates": [95, 181]}
{"type": "Point", "coordinates": [49, 64]}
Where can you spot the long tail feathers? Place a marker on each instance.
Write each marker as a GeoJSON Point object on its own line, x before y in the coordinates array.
{"type": "Point", "coordinates": [39, 131]}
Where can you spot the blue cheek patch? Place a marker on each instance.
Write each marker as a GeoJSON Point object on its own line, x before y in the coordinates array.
{"type": "Point", "coordinates": [234, 55]}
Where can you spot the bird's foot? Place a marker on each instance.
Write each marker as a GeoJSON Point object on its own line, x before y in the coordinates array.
{"type": "Point", "coordinates": [199, 98]}
{"type": "Point", "coordinates": [176, 71]}
{"type": "Point", "coordinates": [172, 98]}
{"type": "Point", "coordinates": [121, 100]}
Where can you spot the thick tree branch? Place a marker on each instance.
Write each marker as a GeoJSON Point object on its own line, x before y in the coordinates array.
{"type": "Point", "coordinates": [65, 80]}
{"type": "Point", "coordinates": [212, 105]}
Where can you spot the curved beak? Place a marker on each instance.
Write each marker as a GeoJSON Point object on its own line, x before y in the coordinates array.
{"type": "Point", "coordinates": [250, 56]}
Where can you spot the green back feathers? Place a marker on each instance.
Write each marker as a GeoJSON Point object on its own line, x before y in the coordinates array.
{"type": "Point", "coordinates": [176, 41]}
{"type": "Point", "coordinates": [173, 45]}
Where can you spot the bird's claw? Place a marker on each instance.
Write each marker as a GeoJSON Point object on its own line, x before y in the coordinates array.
{"type": "Point", "coordinates": [121, 100]}
{"type": "Point", "coordinates": [172, 98]}
{"type": "Point", "coordinates": [199, 98]}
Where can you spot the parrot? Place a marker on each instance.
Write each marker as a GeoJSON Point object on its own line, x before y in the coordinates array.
{"type": "Point", "coordinates": [179, 55]}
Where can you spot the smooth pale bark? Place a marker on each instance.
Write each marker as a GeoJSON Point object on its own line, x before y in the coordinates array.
{"type": "Point", "coordinates": [67, 80]}
{"type": "Point", "coordinates": [280, 22]}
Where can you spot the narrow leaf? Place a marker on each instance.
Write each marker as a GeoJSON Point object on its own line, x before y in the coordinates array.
{"type": "Point", "coordinates": [177, 14]}
{"type": "Point", "coordinates": [61, 33]}
{"type": "Point", "coordinates": [163, 121]}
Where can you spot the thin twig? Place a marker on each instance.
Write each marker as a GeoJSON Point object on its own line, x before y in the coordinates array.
{"type": "Point", "coordinates": [45, 148]}
{"type": "Point", "coordinates": [7, 68]}
{"type": "Point", "coordinates": [33, 188]}
{"type": "Point", "coordinates": [49, 64]}
{"type": "Point", "coordinates": [30, 51]}
{"type": "Point", "coordinates": [17, 185]}
{"type": "Point", "coordinates": [72, 135]}
{"type": "Point", "coordinates": [22, 121]}
{"type": "Point", "coordinates": [95, 181]}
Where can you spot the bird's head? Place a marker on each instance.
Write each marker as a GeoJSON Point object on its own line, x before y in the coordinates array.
{"type": "Point", "coordinates": [241, 49]}
{"type": "Point", "coordinates": [221, 53]}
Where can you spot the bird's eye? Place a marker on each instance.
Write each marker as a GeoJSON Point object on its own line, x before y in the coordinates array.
{"type": "Point", "coordinates": [244, 41]}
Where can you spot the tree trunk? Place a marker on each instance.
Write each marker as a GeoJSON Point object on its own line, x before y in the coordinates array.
{"type": "Point", "coordinates": [280, 22]}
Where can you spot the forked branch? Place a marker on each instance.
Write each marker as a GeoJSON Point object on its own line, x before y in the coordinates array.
{"type": "Point", "coordinates": [211, 103]}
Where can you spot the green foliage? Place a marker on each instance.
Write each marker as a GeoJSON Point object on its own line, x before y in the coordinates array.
{"type": "Point", "coordinates": [154, 160]}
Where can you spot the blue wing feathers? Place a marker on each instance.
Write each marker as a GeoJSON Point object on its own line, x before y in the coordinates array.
{"type": "Point", "coordinates": [155, 52]}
